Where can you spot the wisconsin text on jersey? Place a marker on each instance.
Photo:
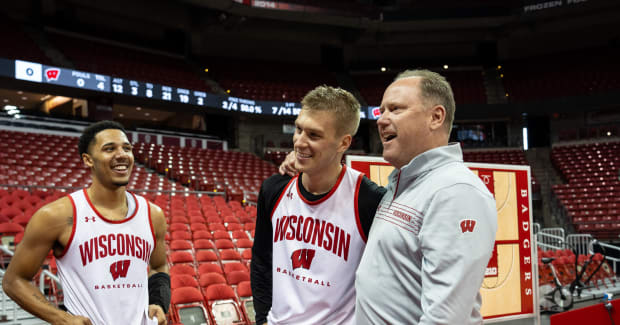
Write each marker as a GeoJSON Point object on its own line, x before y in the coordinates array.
{"type": "Point", "coordinates": [313, 231]}
{"type": "Point", "coordinates": [115, 245]}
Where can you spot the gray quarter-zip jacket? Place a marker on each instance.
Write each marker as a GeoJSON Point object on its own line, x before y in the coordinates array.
{"type": "Point", "coordinates": [428, 246]}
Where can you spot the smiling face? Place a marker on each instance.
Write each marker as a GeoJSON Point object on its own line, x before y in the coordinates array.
{"type": "Point", "coordinates": [110, 158]}
{"type": "Point", "coordinates": [317, 145]}
{"type": "Point", "coordinates": [406, 125]}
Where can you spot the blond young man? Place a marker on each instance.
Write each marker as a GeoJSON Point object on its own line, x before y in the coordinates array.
{"type": "Point", "coordinates": [311, 229]}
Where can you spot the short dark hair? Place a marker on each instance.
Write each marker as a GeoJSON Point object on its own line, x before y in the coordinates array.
{"type": "Point", "coordinates": [89, 133]}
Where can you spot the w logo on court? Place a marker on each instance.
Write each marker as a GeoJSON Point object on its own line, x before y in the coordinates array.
{"type": "Point", "coordinates": [468, 225]}
{"type": "Point", "coordinates": [302, 258]}
{"type": "Point", "coordinates": [119, 269]}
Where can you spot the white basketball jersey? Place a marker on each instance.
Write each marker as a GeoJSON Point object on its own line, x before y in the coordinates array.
{"type": "Point", "coordinates": [104, 267]}
{"type": "Point", "coordinates": [317, 247]}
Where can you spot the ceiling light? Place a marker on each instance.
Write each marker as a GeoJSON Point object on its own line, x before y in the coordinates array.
{"type": "Point", "coordinates": [138, 108]}
{"type": "Point", "coordinates": [13, 112]}
{"type": "Point", "coordinates": [608, 133]}
{"type": "Point", "coordinates": [9, 107]}
{"type": "Point", "coordinates": [20, 92]}
{"type": "Point", "coordinates": [206, 69]}
{"type": "Point", "coordinates": [445, 67]}
{"type": "Point", "coordinates": [499, 67]}
{"type": "Point", "coordinates": [154, 118]}
{"type": "Point", "coordinates": [24, 98]}
{"type": "Point", "coordinates": [120, 115]}
{"type": "Point", "coordinates": [147, 114]}
{"type": "Point", "coordinates": [383, 69]}
{"type": "Point", "coordinates": [17, 116]}
{"type": "Point", "coordinates": [501, 75]}
{"type": "Point", "coordinates": [5, 100]}
{"type": "Point", "coordinates": [228, 91]}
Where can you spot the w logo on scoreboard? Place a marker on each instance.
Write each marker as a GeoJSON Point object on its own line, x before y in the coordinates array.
{"type": "Point", "coordinates": [302, 258]}
{"type": "Point", "coordinates": [119, 269]}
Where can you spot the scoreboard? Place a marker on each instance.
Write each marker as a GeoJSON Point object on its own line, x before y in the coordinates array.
{"type": "Point", "coordinates": [39, 73]}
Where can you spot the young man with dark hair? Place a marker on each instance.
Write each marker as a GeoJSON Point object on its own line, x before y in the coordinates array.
{"type": "Point", "coordinates": [311, 229]}
{"type": "Point", "coordinates": [104, 238]}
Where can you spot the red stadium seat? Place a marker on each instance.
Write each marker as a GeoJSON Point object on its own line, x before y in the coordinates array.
{"type": "Point", "coordinates": [222, 303]}
{"type": "Point", "coordinates": [181, 257]}
{"type": "Point", "coordinates": [207, 279]}
{"type": "Point", "coordinates": [188, 303]}
{"type": "Point", "coordinates": [180, 269]}
{"type": "Point", "coordinates": [244, 292]}
{"type": "Point", "coordinates": [224, 244]}
{"type": "Point", "coordinates": [179, 244]}
{"type": "Point", "coordinates": [204, 244]}
{"type": "Point", "coordinates": [244, 243]}
{"type": "Point", "coordinates": [228, 255]}
{"type": "Point", "coordinates": [234, 277]}
{"type": "Point", "coordinates": [201, 234]}
{"type": "Point", "coordinates": [234, 266]}
{"type": "Point", "coordinates": [210, 268]}
{"type": "Point", "coordinates": [206, 256]}
{"type": "Point", "coordinates": [198, 226]}
{"type": "Point", "coordinates": [177, 227]}
{"type": "Point", "coordinates": [221, 234]}
{"type": "Point", "coordinates": [182, 280]}
{"type": "Point", "coordinates": [185, 235]}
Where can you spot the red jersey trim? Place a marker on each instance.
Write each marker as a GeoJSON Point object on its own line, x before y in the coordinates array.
{"type": "Point", "coordinates": [64, 251]}
{"type": "Point", "coordinates": [344, 168]}
{"type": "Point", "coordinates": [150, 221]}
{"type": "Point", "coordinates": [108, 220]}
{"type": "Point", "coordinates": [357, 214]}
{"type": "Point", "coordinates": [281, 195]}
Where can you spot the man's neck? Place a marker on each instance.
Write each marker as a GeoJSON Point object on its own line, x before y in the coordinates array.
{"type": "Point", "coordinates": [321, 182]}
{"type": "Point", "coordinates": [104, 197]}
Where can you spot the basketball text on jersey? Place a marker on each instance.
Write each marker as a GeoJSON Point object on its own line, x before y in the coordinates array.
{"type": "Point", "coordinates": [114, 245]}
{"type": "Point", "coordinates": [320, 233]}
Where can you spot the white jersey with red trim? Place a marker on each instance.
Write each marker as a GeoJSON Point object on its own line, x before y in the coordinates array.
{"type": "Point", "coordinates": [104, 268]}
{"type": "Point", "coordinates": [317, 247]}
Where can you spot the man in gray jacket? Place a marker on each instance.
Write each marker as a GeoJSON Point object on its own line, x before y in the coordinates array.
{"type": "Point", "coordinates": [434, 230]}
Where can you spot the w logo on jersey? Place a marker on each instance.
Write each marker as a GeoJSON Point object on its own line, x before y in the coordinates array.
{"type": "Point", "coordinates": [468, 225]}
{"type": "Point", "coordinates": [119, 269]}
{"type": "Point", "coordinates": [302, 258]}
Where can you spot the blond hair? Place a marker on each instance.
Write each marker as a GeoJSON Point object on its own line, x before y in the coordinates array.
{"type": "Point", "coordinates": [337, 100]}
{"type": "Point", "coordinates": [435, 90]}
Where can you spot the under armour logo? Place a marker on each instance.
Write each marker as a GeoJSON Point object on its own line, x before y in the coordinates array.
{"type": "Point", "coordinates": [468, 225]}
{"type": "Point", "coordinates": [289, 195]}
{"type": "Point", "coordinates": [89, 218]}
{"type": "Point", "coordinates": [119, 269]}
{"type": "Point", "coordinates": [302, 258]}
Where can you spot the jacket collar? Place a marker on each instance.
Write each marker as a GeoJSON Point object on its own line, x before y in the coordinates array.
{"type": "Point", "coordinates": [427, 161]}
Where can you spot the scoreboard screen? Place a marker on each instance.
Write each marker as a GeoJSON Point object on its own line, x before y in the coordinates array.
{"type": "Point", "coordinates": [44, 74]}
{"type": "Point", "coordinates": [166, 93]}
{"type": "Point", "coordinates": [30, 71]}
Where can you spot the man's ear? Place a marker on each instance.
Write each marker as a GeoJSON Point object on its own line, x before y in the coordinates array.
{"type": "Point", "coordinates": [345, 143]}
{"type": "Point", "coordinates": [87, 160]}
{"type": "Point", "coordinates": [437, 116]}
